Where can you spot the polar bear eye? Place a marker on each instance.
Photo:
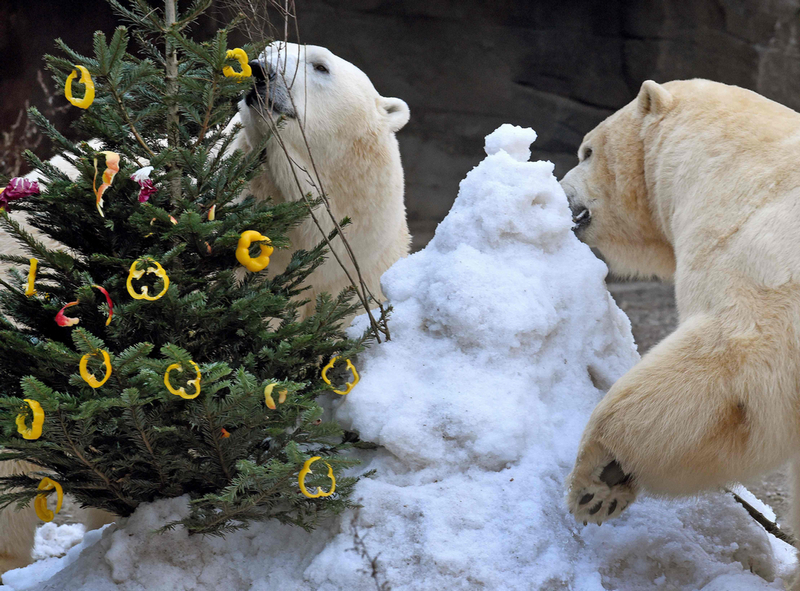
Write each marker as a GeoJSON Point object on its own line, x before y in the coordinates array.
{"type": "Point", "coordinates": [321, 68]}
{"type": "Point", "coordinates": [587, 153]}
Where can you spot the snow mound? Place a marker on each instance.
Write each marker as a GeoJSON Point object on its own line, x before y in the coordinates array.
{"type": "Point", "coordinates": [504, 338]}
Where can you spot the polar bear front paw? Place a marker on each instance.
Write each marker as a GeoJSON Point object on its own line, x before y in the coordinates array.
{"type": "Point", "coordinates": [600, 494]}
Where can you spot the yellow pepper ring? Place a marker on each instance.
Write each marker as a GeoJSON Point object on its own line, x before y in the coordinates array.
{"type": "Point", "coordinates": [180, 391]}
{"type": "Point", "coordinates": [38, 421]}
{"type": "Point", "coordinates": [89, 377]}
{"type": "Point", "coordinates": [301, 480]}
{"type": "Point", "coordinates": [243, 251]}
{"type": "Point", "coordinates": [350, 385]}
{"type": "Point", "coordinates": [241, 55]}
{"type": "Point", "coordinates": [40, 502]}
{"type": "Point", "coordinates": [86, 80]}
{"type": "Point", "coordinates": [31, 290]}
{"type": "Point", "coordinates": [135, 273]}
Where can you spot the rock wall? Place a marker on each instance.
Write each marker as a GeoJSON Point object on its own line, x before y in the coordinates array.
{"type": "Point", "coordinates": [561, 67]}
{"type": "Point", "coordinates": [466, 66]}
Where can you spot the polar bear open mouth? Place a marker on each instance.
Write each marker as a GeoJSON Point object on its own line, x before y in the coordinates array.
{"type": "Point", "coordinates": [269, 91]}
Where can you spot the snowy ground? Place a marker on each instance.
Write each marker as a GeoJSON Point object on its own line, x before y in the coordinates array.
{"type": "Point", "coordinates": [503, 340]}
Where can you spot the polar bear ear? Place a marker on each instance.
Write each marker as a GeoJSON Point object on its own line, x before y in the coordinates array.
{"type": "Point", "coordinates": [396, 112]}
{"type": "Point", "coordinates": [654, 98]}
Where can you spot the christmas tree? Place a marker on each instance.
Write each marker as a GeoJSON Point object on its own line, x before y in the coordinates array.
{"type": "Point", "coordinates": [135, 363]}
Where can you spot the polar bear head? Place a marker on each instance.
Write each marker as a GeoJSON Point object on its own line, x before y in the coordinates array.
{"type": "Point", "coordinates": [609, 191]}
{"type": "Point", "coordinates": [326, 102]}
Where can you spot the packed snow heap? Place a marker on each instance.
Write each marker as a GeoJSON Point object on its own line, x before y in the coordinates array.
{"type": "Point", "coordinates": [504, 337]}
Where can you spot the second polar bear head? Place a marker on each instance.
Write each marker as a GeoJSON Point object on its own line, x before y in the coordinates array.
{"type": "Point", "coordinates": [323, 101]}
{"type": "Point", "coordinates": [608, 193]}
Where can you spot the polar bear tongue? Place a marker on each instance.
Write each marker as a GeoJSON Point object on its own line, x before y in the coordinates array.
{"type": "Point", "coordinates": [513, 140]}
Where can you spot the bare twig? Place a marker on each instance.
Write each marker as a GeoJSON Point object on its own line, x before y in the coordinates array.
{"type": "Point", "coordinates": [768, 525]}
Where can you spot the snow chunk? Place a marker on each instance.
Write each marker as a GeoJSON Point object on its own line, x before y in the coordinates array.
{"type": "Point", "coordinates": [504, 338]}
{"type": "Point", "coordinates": [513, 140]}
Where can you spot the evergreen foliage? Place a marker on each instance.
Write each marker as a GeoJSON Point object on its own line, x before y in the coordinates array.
{"type": "Point", "coordinates": [132, 441]}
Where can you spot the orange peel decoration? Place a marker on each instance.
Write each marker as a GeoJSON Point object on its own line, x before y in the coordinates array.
{"type": "Point", "coordinates": [86, 80]}
{"type": "Point", "coordinates": [212, 213]}
{"type": "Point", "coordinates": [180, 391]}
{"type": "Point", "coordinates": [301, 480]}
{"type": "Point", "coordinates": [40, 502]}
{"type": "Point", "coordinates": [112, 168]}
{"type": "Point", "coordinates": [35, 430]}
{"type": "Point", "coordinates": [64, 320]}
{"type": "Point", "coordinates": [241, 55]}
{"type": "Point", "coordinates": [223, 433]}
{"type": "Point", "coordinates": [152, 267]}
{"type": "Point", "coordinates": [350, 385]}
{"type": "Point", "coordinates": [108, 301]}
{"type": "Point", "coordinates": [30, 289]}
{"type": "Point", "coordinates": [89, 377]}
{"type": "Point", "coordinates": [243, 251]}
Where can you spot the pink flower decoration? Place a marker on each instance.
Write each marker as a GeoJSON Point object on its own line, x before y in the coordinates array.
{"type": "Point", "coordinates": [18, 188]}
{"type": "Point", "coordinates": [147, 188]}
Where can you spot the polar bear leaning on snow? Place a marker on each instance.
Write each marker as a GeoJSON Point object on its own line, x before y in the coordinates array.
{"type": "Point", "coordinates": [698, 182]}
{"type": "Point", "coordinates": [350, 130]}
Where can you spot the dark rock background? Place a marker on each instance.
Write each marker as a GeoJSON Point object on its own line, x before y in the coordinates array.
{"type": "Point", "coordinates": [466, 66]}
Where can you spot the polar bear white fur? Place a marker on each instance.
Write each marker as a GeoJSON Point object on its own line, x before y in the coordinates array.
{"type": "Point", "coordinates": [698, 182]}
{"type": "Point", "coordinates": [350, 132]}
{"type": "Point", "coordinates": [337, 135]}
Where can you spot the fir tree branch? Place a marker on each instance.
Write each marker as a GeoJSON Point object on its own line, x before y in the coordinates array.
{"type": "Point", "coordinates": [215, 440]}
{"type": "Point", "coordinates": [209, 110]}
{"type": "Point", "coordinates": [112, 87]}
{"type": "Point", "coordinates": [229, 515]}
{"type": "Point", "coordinates": [146, 440]}
{"type": "Point", "coordinates": [75, 450]}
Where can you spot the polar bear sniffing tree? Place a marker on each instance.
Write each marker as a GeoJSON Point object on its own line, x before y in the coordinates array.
{"type": "Point", "coordinates": [696, 181]}
{"type": "Point", "coordinates": [335, 134]}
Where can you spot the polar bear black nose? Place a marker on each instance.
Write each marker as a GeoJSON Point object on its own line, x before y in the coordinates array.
{"type": "Point", "coordinates": [581, 216]}
{"type": "Point", "coordinates": [258, 70]}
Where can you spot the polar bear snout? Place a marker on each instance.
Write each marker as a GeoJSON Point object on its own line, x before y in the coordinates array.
{"type": "Point", "coordinates": [270, 90]}
{"type": "Point", "coordinates": [581, 216]}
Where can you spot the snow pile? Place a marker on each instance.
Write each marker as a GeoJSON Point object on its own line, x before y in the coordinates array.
{"type": "Point", "coordinates": [503, 340]}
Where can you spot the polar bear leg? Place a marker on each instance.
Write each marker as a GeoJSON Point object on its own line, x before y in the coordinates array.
{"type": "Point", "coordinates": [707, 406]}
{"type": "Point", "coordinates": [17, 528]}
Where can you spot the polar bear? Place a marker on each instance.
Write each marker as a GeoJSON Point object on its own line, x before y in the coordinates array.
{"type": "Point", "coordinates": [336, 134]}
{"type": "Point", "coordinates": [325, 108]}
{"type": "Point", "coordinates": [698, 182]}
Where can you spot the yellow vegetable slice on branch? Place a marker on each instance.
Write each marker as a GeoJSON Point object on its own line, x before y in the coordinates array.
{"type": "Point", "coordinates": [112, 168]}
{"type": "Point", "coordinates": [243, 251]}
{"type": "Point", "coordinates": [86, 80]}
{"type": "Point", "coordinates": [152, 267]}
{"type": "Point", "coordinates": [35, 430]}
{"type": "Point", "coordinates": [350, 385]}
{"type": "Point", "coordinates": [40, 502]}
{"type": "Point", "coordinates": [181, 391]}
{"type": "Point", "coordinates": [241, 55]}
{"type": "Point", "coordinates": [89, 377]}
{"type": "Point", "coordinates": [30, 289]}
{"type": "Point", "coordinates": [301, 480]}
{"type": "Point", "coordinates": [270, 402]}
